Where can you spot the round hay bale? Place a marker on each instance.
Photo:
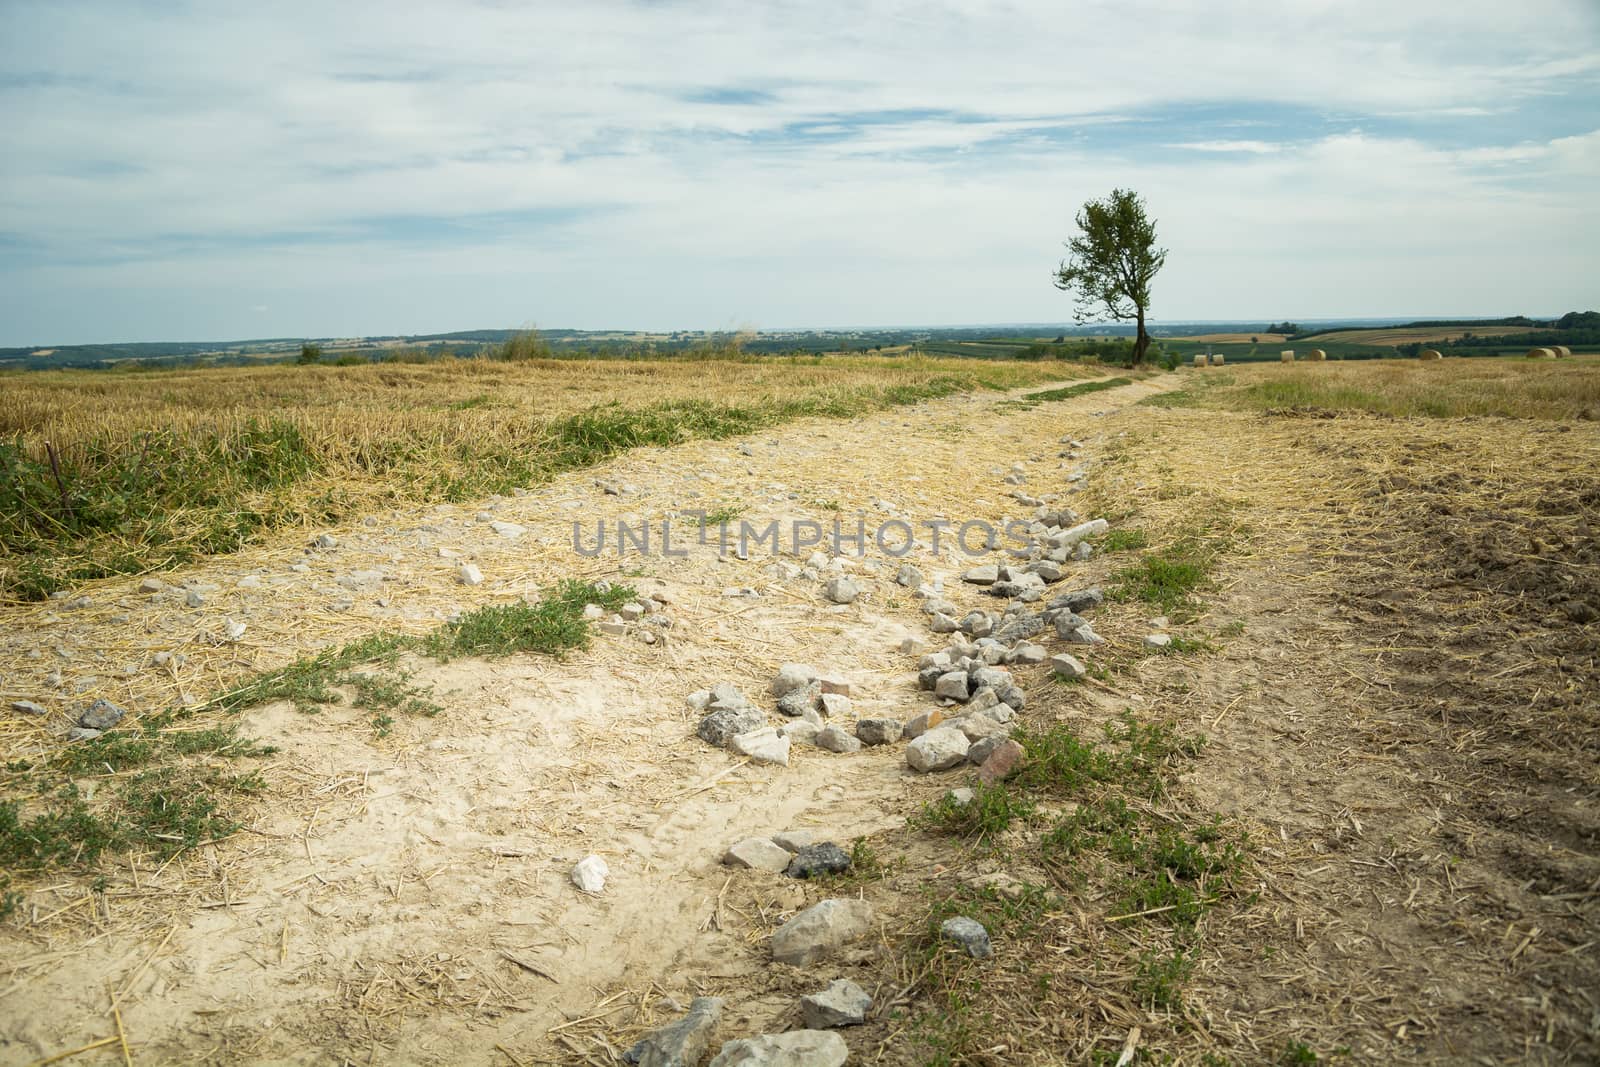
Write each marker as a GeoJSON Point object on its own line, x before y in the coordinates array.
{"type": "Point", "coordinates": [1199, 359]}
{"type": "Point", "coordinates": [1563, 352]}
{"type": "Point", "coordinates": [1430, 353]}
{"type": "Point", "coordinates": [1318, 355]}
{"type": "Point", "coordinates": [1286, 356]}
{"type": "Point", "coordinates": [1216, 359]}
{"type": "Point", "coordinates": [1540, 353]}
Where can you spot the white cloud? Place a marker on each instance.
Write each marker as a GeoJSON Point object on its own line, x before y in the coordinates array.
{"type": "Point", "coordinates": [1254, 147]}
{"type": "Point", "coordinates": [881, 162]}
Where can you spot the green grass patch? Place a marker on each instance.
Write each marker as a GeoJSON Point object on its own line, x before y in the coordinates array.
{"type": "Point", "coordinates": [551, 627]}
{"type": "Point", "coordinates": [1114, 840]}
{"type": "Point", "coordinates": [1168, 578]}
{"type": "Point", "coordinates": [992, 810]}
{"type": "Point", "coordinates": [1124, 541]}
{"type": "Point", "coordinates": [1029, 401]}
{"type": "Point", "coordinates": [162, 810]}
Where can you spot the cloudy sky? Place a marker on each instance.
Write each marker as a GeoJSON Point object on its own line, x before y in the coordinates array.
{"type": "Point", "coordinates": [217, 170]}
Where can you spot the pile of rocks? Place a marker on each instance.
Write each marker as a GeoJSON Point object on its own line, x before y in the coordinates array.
{"type": "Point", "coordinates": [645, 618]}
{"type": "Point", "coordinates": [789, 853]}
{"type": "Point", "coordinates": [812, 703]}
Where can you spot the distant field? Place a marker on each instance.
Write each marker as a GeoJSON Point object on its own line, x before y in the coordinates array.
{"type": "Point", "coordinates": [151, 467]}
{"type": "Point", "coordinates": [1235, 338]}
{"type": "Point", "coordinates": [1454, 388]}
{"type": "Point", "coordinates": [1400, 335]}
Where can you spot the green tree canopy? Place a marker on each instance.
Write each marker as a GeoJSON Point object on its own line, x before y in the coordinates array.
{"type": "Point", "coordinates": [1111, 263]}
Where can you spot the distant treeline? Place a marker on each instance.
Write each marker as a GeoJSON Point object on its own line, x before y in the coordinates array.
{"type": "Point", "coordinates": [1572, 320]}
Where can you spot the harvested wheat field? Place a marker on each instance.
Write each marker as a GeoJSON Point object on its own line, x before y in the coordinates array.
{"type": "Point", "coordinates": [1289, 759]}
{"type": "Point", "coordinates": [1399, 335]}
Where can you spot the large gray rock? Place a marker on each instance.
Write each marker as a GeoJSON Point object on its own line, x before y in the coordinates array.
{"type": "Point", "coordinates": [723, 725]}
{"type": "Point", "coordinates": [843, 1003]}
{"type": "Point", "coordinates": [28, 707]}
{"type": "Point", "coordinates": [921, 724]}
{"type": "Point", "coordinates": [820, 929]}
{"type": "Point", "coordinates": [938, 749]}
{"type": "Point", "coordinates": [909, 576]}
{"type": "Point", "coordinates": [1027, 653]}
{"type": "Point", "coordinates": [1020, 627]}
{"type": "Point", "coordinates": [878, 731]}
{"type": "Point", "coordinates": [797, 1048]}
{"type": "Point", "coordinates": [978, 727]}
{"type": "Point", "coordinates": [969, 934]}
{"type": "Point", "coordinates": [943, 624]}
{"type": "Point", "coordinates": [764, 745]}
{"type": "Point", "coordinates": [683, 1043]}
{"type": "Point", "coordinates": [982, 749]}
{"type": "Point", "coordinates": [841, 590]}
{"type": "Point", "coordinates": [952, 686]}
{"type": "Point", "coordinates": [1068, 666]}
{"type": "Point", "coordinates": [986, 574]}
{"type": "Point", "coordinates": [757, 853]}
{"type": "Point", "coordinates": [1080, 600]}
{"type": "Point", "coordinates": [101, 715]}
{"type": "Point", "coordinates": [976, 624]}
{"type": "Point", "coordinates": [836, 739]}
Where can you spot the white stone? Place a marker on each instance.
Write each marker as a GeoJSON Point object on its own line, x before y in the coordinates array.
{"type": "Point", "coordinates": [757, 853]}
{"type": "Point", "coordinates": [469, 574]}
{"type": "Point", "coordinates": [590, 874]}
{"type": "Point", "coordinates": [1157, 640]}
{"type": "Point", "coordinates": [765, 745]}
{"type": "Point", "coordinates": [1067, 666]}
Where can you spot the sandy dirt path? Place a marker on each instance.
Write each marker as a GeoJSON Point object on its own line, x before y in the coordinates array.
{"type": "Point", "coordinates": [405, 898]}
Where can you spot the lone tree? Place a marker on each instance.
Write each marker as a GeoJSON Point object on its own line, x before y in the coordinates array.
{"type": "Point", "coordinates": [1111, 263]}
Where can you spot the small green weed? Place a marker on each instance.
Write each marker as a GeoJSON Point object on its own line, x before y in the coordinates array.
{"type": "Point", "coordinates": [1124, 541]}
{"type": "Point", "coordinates": [991, 811]}
{"type": "Point", "coordinates": [721, 516]}
{"type": "Point", "coordinates": [1160, 978]}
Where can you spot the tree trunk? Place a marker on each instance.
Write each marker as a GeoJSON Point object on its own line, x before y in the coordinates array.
{"type": "Point", "coordinates": [1141, 342]}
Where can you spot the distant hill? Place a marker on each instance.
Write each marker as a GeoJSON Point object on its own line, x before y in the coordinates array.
{"type": "Point", "coordinates": [993, 341]}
